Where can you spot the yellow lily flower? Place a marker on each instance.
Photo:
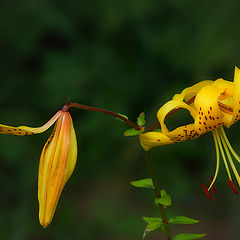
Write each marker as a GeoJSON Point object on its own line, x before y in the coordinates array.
{"type": "Point", "coordinates": [212, 105]}
{"type": "Point", "coordinates": [57, 160]}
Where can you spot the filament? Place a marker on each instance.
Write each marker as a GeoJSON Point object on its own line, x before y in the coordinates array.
{"type": "Point", "coordinates": [230, 158]}
{"type": "Point", "coordinates": [229, 145]}
{"type": "Point", "coordinates": [218, 159]}
{"type": "Point", "coordinates": [223, 154]}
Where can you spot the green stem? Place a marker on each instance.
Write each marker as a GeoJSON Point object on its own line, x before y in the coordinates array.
{"type": "Point", "coordinates": [95, 109]}
{"type": "Point", "coordinates": [158, 195]}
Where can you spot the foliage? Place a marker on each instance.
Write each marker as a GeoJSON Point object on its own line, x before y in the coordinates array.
{"type": "Point", "coordinates": [125, 56]}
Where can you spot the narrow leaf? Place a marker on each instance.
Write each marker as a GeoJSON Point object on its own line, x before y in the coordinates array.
{"type": "Point", "coordinates": [132, 132]}
{"type": "Point", "coordinates": [144, 183]}
{"type": "Point", "coordinates": [152, 219]}
{"type": "Point", "coordinates": [188, 236]}
{"type": "Point", "coordinates": [182, 220]}
{"type": "Point", "coordinates": [141, 120]}
{"type": "Point", "coordinates": [165, 199]}
{"type": "Point", "coordinates": [122, 116]}
{"type": "Point", "coordinates": [153, 223]}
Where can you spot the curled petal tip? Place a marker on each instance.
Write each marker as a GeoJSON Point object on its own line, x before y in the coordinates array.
{"type": "Point", "coordinates": [152, 139]}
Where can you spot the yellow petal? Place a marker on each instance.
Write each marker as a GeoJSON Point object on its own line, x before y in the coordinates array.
{"type": "Point", "coordinates": [57, 163]}
{"type": "Point", "coordinates": [206, 104]}
{"type": "Point", "coordinates": [183, 133]}
{"type": "Point", "coordinates": [168, 107]}
{"type": "Point", "coordinates": [152, 139]}
{"type": "Point", "coordinates": [192, 91]}
{"type": "Point", "coordinates": [236, 97]}
{"type": "Point", "coordinates": [24, 130]}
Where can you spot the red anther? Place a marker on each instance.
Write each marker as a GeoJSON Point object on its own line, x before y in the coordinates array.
{"type": "Point", "coordinates": [232, 186]}
{"type": "Point", "coordinates": [206, 192]}
{"type": "Point", "coordinates": [213, 188]}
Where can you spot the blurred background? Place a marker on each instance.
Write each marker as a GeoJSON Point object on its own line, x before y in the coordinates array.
{"type": "Point", "coordinates": [128, 56]}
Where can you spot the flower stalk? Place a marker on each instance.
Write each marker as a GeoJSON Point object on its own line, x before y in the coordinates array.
{"type": "Point", "coordinates": [166, 224]}
{"type": "Point", "coordinates": [95, 109]}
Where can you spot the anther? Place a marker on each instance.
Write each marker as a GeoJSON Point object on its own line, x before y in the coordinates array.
{"type": "Point", "coordinates": [213, 188]}
{"type": "Point", "coordinates": [206, 192]}
{"type": "Point", "coordinates": [232, 186]}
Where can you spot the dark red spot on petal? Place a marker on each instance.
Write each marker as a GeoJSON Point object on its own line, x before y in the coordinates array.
{"type": "Point", "coordinates": [206, 192]}
{"type": "Point", "coordinates": [232, 186]}
{"type": "Point", "coordinates": [158, 140]}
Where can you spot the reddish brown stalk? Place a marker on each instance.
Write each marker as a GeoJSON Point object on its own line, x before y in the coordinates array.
{"type": "Point", "coordinates": [95, 109]}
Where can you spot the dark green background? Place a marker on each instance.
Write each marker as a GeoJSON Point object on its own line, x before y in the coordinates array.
{"type": "Point", "coordinates": [128, 56]}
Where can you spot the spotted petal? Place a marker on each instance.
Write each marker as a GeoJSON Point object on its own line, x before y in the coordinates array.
{"type": "Point", "coordinates": [24, 130]}
{"type": "Point", "coordinates": [152, 139]}
{"type": "Point", "coordinates": [206, 103]}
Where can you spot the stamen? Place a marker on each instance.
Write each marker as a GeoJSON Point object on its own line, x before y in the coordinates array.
{"type": "Point", "coordinates": [206, 192]}
{"type": "Point", "coordinates": [229, 145]}
{"type": "Point", "coordinates": [232, 186]}
{"type": "Point", "coordinates": [218, 159]}
{"type": "Point", "coordinates": [223, 154]}
{"type": "Point", "coordinates": [213, 188]}
{"type": "Point", "coordinates": [230, 159]}
{"type": "Point", "coordinates": [225, 108]}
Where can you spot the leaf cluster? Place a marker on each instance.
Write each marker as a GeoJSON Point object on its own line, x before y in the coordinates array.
{"type": "Point", "coordinates": [157, 223]}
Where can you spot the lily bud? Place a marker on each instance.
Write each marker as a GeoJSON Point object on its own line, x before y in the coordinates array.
{"type": "Point", "coordinates": [56, 165]}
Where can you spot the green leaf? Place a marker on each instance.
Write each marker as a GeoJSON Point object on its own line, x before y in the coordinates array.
{"type": "Point", "coordinates": [151, 219]}
{"type": "Point", "coordinates": [182, 220]}
{"type": "Point", "coordinates": [165, 199]}
{"type": "Point", "coordinates": [144, 183]}
{"type": "Point", "coordinates": [141, 120]}
{"type": "Point", "coordinates": [132, 132]}
{"type": "Point", "coordinates": [188, 236]}
{"type": "Point", "coordinates": [153, 223]}
{"type": "Point", "coordinates": [122, 116]}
